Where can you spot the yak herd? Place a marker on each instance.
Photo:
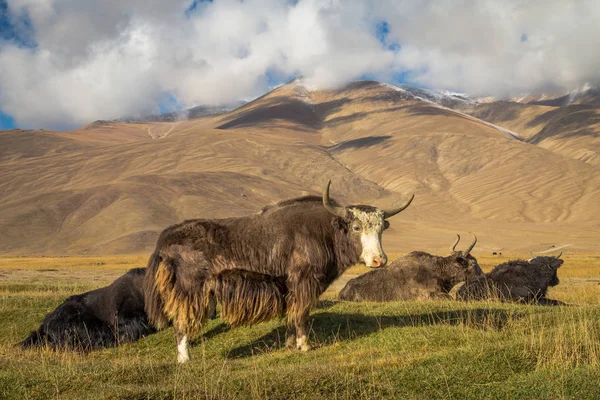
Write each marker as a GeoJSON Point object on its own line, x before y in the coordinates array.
{"type": "Point", "coordinates": [276, 263]}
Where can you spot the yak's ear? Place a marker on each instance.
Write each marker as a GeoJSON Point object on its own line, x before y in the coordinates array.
{"type": "Point", "coordinates": [462, 261]}
{"type": "Point", "coordinates": [339, 223]}
{"type": "Point", "coordinates": [386, 224]}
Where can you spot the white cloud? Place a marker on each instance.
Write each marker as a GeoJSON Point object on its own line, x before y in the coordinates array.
{"type": "Point", "coordinates": [103, 60]}
{"type": "Point", "coordinates": [476, 46]}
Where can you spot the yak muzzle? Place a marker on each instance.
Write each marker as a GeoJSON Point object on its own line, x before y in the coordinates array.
{"type": "Point", "coordinates": [378, 262]}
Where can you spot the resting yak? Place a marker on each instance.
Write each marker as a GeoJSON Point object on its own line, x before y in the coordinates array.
{"type": "Point", "coordinates": [272, 264]}
{"type": "Point", "coordinates": [415, 276]}
{"type": "Point", "coordinates": [518, 280]}
{"type": "Point", "coordinates": [100, 318]}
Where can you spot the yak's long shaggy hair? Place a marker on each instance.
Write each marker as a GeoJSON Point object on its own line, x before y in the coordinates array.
{"type": "Point", "coordinates": [248, 297]}
{"type": "Point", "coordinates": [153, 302]}
{"type": "Point", "coordinates": [304, 295]}
{"type": "Point", "coordinates": [69, 327]}
{"type": "Point", "coordinates": [100, 318]}
{"type": "Point", "coordinates": [184, 302]}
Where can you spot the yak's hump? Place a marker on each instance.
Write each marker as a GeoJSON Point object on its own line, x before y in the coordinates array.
{"type": "Point", "coordinates": [295, 201]}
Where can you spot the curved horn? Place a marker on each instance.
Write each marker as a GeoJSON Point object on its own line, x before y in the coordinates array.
{"type": "Point", "coordinates": [335, 210]}
{"type": "Point", "coordinates": [390, 213]}
{"type": "Point", "coordinates": [455, 243]}
{"type": "Point", "coordinates": [558, 256]}
{"type": "Point", "coordinates": [471, 246]}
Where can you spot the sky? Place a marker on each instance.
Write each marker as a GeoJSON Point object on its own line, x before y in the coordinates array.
{"type": "Point", "coordinates": [65, 63]}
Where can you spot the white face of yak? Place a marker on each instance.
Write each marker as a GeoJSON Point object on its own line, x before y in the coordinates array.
{"type": "Point", "coordinates": [368, 226]}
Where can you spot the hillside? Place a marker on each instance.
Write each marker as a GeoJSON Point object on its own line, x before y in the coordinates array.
{"type": "Point", "coordinates": [111, 187]}
{"type": "Point", "coordinates": [568, 125]}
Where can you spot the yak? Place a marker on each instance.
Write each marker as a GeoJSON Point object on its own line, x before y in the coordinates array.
{"type": "Point", "coordinates": [275, 263]}
{"type": "Point", "coordinates": [415, 276]}
{"type": "Point", "coordinates": [517, 280]}
{"type": "Point", "coordinates": [100, 318]}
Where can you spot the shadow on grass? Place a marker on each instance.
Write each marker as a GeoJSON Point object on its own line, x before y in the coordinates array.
{"type": "Point", "coordinates": [330, 327]}
{"type": "Point", "coordinates": [325, 304]}
{"type": "Point", "coordinates": [221, 328]}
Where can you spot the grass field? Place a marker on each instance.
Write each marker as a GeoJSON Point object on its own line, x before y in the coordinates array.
{"type": "Point", "coordinates": [404, 350]}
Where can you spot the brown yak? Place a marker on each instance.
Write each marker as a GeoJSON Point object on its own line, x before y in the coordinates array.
{"type": "Point", "coordinates": [274, 263]}
{"type": "Point", "coordinates": [517, 280]}
{"type": "Point", "coordinates": [415, 276]}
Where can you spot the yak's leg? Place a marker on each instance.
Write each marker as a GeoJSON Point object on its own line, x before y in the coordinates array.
{"type": "Point", "coordinates": [183, 346]}
{"type": "Point", "coordinates": [290, 336]}
{"type": "Point", "coordinates": [302, 332]}
{"type": "Point", "coordinates": [543, 301]}
{"type": "Point", "coordinates": [303, 292]}
{"type": "Point", "coordinates": [212, 306]}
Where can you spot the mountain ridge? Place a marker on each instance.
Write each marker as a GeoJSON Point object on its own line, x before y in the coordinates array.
{"type": "Point", "coordinates": [120, 187]}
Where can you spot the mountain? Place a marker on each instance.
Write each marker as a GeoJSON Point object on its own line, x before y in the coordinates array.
{"type": "Point", "coordinates": [111, 187]}
{"type": "Point", "coordinates": [20, 143]}
{"type": "Point", "coordinates": [587, 96]}
{"type": "Point", "coordinates": [190, 113]}
{"type": "Point", "coordinates": [569, 128]}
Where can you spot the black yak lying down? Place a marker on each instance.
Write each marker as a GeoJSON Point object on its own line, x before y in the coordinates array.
{"type": "Point", "coordinates": [103, 317]}
{"type": "Point", "coordinates": [518, 280]}
{"type": "Point", "coordinates": [415, 276]}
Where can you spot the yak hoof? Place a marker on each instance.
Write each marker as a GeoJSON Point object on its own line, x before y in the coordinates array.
{"type": "Point", "coordinates": [290, 342]}
{"type": "Point", "coordinates": [305, 347]}
{"type": "Point", "coordinates": [302, 344]}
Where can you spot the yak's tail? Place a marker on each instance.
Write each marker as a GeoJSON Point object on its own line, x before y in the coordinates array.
{"type": "Point", "coordinates": [169, 300]}
{"type": "Point", "coordinates": [153, 300]}
{"type": "Point", "coordinates": [248, 297]}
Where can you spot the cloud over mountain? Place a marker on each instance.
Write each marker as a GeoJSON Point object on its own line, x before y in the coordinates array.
{"type": "Point", "coordinates": [70, 62]}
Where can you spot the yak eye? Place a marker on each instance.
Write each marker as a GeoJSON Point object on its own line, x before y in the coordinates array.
{"type": "Point", "coordinates": [356, 228]}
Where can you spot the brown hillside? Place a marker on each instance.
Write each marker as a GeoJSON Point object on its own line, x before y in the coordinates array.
{"type": "Point", "coordinates": [121, 184]}
{"type": "Point", "coordinates": [518, 117]}
{"type": "Point", "coordinates": [571, 131]}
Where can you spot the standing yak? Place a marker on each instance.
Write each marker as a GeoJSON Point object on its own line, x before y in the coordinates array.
{"type": "Point", "coordinates": [100, 318]}
{"type": "Point", "coordinates": [415, 276]}
{"type": "Point", "coordinates": [272, 264]}
{"type": "Point", "coordinates": [517, 280]}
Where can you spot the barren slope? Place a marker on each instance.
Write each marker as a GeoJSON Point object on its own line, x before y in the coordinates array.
{"type": "Point", "coordinates": [569, 130]}
{"type": "Point", "coordinates": [116, 192]}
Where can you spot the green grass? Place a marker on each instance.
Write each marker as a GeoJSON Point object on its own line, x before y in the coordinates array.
{"type": "Point", "coordinates": [405, 350]}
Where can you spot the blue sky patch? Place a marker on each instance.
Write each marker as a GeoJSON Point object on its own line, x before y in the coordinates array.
{"type": "Point", "coordinates": [169, 103]}
{"type": "Point", "coordinates": [382, 31]}
{"type": "Point", "coordinates": [6, 121]}
{"type": "Point", "coordinates": [16, 29]}
{"type": "Point", "coordinates": [193, 7]}
{"type": "Point", "coordinates": [276, 77]}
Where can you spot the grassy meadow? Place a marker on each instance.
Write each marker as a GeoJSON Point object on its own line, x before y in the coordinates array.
{"type": "Point", "coordinates": [406, 350]}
